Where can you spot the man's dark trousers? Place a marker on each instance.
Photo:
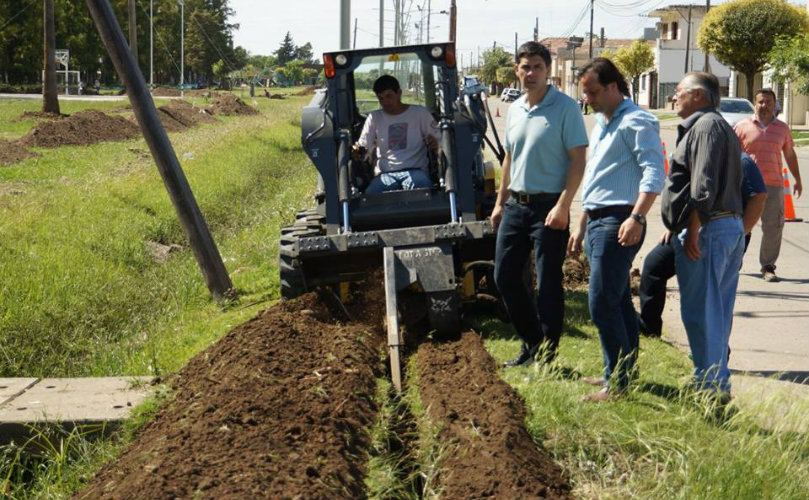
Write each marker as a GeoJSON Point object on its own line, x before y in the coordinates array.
{"type": "Point", "coordinates": [521, 230]}
{"type": "Point", "coordinates": [610, 298]}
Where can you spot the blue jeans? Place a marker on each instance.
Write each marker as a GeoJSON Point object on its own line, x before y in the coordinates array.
{"type": "Point", "coordinates": [521, 230]}
{"type": "Point", "coordinates": [399, 180]}
{"type": "Point", "coordinates": [610, 301]}
{"type": "Point", "coordinates": [707, 296]}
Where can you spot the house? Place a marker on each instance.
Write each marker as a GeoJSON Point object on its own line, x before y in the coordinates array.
{"type": "Point", "coordinates": [676, 53]}
{"type": "Point", "coordinates": [567, 58]}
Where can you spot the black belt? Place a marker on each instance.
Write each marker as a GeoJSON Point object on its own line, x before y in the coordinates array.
{"type": "Point", "coordinates": [529, 198]}
{"type": "Point", "coordinates": [598, 213]}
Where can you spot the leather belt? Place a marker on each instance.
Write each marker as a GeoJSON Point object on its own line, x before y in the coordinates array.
{"type": "Point", "coordinates": [598, 213]}
{"type": "Point", "coordinates": [529, 198]}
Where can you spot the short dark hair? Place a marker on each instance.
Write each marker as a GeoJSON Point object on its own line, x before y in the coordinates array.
{"type": "Point", "coordinates": [767, 91]}
{"type": "Point", "coordinates": [386, 82]}
{"type": "Point", "coordinates": [607, 73]}
{"type": "Point", "coordinates": [529, 49]}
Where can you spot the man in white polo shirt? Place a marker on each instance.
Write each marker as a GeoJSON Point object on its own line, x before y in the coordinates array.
{"type": "Point", "coordinates": [546, 144]}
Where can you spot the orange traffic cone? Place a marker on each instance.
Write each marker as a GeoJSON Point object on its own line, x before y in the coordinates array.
{"type": "Point", "coordinates": [497, 112]}
{"type": "Point", "coordinates": [789, 208]}
{"type": "Point", "coordinates": [665, 159]}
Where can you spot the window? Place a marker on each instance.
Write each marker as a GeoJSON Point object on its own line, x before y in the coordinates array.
{"type": "Point", "coordinates": [674, 30]}
{"type": "Point", "coordinates": [664, 30]}
{"type": "Point", "coordinates": [643, 82]}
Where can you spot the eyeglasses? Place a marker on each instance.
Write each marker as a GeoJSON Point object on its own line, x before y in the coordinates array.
{"type": "Point", "coordinates": [679, 92]}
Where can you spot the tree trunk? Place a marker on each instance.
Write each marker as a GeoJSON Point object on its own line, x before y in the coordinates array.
{"type": "Point", "coordinates": [749, 81]}
{"type": "Point", "coordinates": [133, 31]}
{"type": "Point", "coordinates": [50, 98]}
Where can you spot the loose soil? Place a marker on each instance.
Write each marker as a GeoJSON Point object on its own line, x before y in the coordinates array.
{"type": "Point", "coordinates": [481, 420]}
{"type": "Point", "coordinates": [179, 115]}
{"type": "Point", "coordinates": [12, 151]}
{"type": "Point", "coordinates": [277, 409]}
{"type": "Point", "coordinates": [229, 104]}
{"type": "Point", "coordinates": [84, 127]}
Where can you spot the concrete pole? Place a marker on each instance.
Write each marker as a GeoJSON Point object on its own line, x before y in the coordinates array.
{"type": "Point", "coordinates": [687, 40]}
{"type": "Point", "coordinates": [182, 48]}
{"type": "Point", "coordinates": [354, 46]}
{"type": "Point", "coordinates": [453, 20]}
{"type": "Point", "coordinates": [592, 6]}
{"type": "Point", "coordinates": [707, 66]}
{"type": "Point", "coordinates": [133, 30]}
{"type": "Point", "coordinates": [429, 6]}
{"type": "Point", "coordinates": [191, 219]}
{"type": "Point", "coordinates": [151, 43]}
{"type": "Point", "coordinates": [381, 23]}
{"type": "Point", "coordinates": [345, 24]}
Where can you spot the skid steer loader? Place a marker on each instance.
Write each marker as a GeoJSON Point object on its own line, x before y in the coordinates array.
{"type": "Point", "coordinates": [436, 240]}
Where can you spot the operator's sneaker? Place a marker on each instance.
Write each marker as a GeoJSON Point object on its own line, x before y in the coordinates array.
{"type": "Point", "coordinates": [768, 275]}
{"type": "Point", "coordinates": [526, 357]}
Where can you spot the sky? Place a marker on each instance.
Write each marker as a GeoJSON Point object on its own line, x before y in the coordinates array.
{"type": "Point", "coordinates": [263, 23]}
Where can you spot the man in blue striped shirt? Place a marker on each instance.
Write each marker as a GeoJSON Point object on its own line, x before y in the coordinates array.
{"type": "Point", "coordinates": [623, 176]}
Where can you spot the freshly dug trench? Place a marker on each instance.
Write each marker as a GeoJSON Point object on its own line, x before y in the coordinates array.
{"type": "Point", "coordinates": [279, 408]}
{"type": "Point", "coordinates": [481, 421]}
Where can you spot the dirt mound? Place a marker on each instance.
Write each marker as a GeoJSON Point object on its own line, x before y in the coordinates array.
{"type": "Point", "coordinates": [180, 115]}
{"type": "Point", "coordinates": [41, 115]}
{"type": "Point", "coordinates": [82, 128]}
{"type": "Point", "coordinates": [229, 104]}
{"type": "Point", "coordinates": [165, 92]}
{"type": "Point", "coordinates": [277, 409]}
{"type": "Point", "coordinates": [576, 274]}
{"type": "Point", "coordinates": [12, 151]}
{"type": "Point", "coordinates": [491, 453]}
{"type": "Point", "coordinates": [306, 91]}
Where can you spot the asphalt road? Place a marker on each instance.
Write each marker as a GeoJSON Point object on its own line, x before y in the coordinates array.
{"type": "Point", "coordinates": [771, 320]}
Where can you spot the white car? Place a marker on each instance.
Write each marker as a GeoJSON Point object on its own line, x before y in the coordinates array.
{"type": "Point", "coordinates": [734, 109]}
{"type": "Point", "coordinates": [510, 95]}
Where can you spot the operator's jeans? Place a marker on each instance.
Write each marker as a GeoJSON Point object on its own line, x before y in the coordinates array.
{"type": "Point", "coordinates": [399, 180]}
{"type": "Point", "coordinates": [521, 230]}
{"type": "Point", "coordinates": [610, 300]}
{"type": "Point", "coordinates": [707, 296]}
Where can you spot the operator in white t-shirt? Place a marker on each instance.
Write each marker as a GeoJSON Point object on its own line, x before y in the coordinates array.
{"type": "Point", "coordinates": [401, 134]}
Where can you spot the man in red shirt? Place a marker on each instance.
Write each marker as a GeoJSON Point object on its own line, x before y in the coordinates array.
{"type": "Point", "coordinates": [765, 138]}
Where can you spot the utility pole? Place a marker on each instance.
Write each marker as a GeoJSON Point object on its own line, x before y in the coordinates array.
{"type": "Point", "coordinates": [50, 95]}
{"type": "Point", "coordinates": [602, 41]}
{"type": "Point", "coordinates": [151, 43]}
{"type": "Point", "coordinates": [133, 30]}
{"type": "Point", "coordinates": [396, 22]}
{"type": "Point", "coordinates": [381, 23]}
{"type": "Point", "coordinates": [592, 6]}
{"type": "Point", "coordinates": [345, 24]}
{"type": "Point", "coordinates": [707, 66]}
{"type": "Point", "coordinates": [453, 18]}
{"type": "Point", "coordinates": [688, 39]}
{"type": "Point", "coordinates": [188, 212]}
{"type": "Point", "coordinates": [355, 34]}
{"type": "Point", "coordinates": [536, 30]}
{"type": "Point", "coordinates": [182, 47]}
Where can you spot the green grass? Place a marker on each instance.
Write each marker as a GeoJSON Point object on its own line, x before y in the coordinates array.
{"type": "Point", "coordinates": [81, 294]}
{"type": "Point", "coordinates": [660, 440]}
{"type": "Point", "coordinates": [801, 137]}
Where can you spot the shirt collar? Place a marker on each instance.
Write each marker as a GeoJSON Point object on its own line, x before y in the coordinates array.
{"type": "Point", "coordinates": [622, 108]}
{"type": "Point", "coordinates": [547, 99]}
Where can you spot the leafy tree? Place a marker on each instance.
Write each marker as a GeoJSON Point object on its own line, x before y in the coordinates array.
{"type": "Point", "coordinates": [287, 51]}
{"type": "Point", "coordinates": [304, 52]}
{"type": "Point", "coordinates": [633, 61]}
{"type": "Point", "coordinates": [493, 59]}
{"type": "Point", "coordinates": [506, 75]}
{"type": "Point", "coordinates": [789, 58]}
{"type": "Point", "coordinates": [741, 34]}
{"type": "Point", "coordinates": [293, 71]}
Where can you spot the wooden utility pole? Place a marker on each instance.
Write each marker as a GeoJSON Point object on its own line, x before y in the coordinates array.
{"type": "Point", "coordinates": [592, 6]}
{"type": "Point", "coordinates": [188, 212]}
{"type": "Point", "coordinates": [707, 66]}
{"type": "Point", "coordinates": [133, 30]}
{"type": "Point", "coordinates": [50, 97]}
{"type": "Point", "coordinates": [453, 19]}
{"type": "Point", "coordinates": [688, 39]}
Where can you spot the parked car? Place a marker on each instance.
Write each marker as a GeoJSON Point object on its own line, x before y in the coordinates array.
{"type": "Point", "coordinates": [503, 93]}
{"type": "Point", "coordinates": [735, 109]}
{"type": "Point", "coordinates": [511, 95]}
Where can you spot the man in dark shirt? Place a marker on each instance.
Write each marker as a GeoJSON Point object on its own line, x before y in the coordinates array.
{"type": "Point", "coordinates": [658, 265]}
{"type": "Point", "coordinates": [702, 206]}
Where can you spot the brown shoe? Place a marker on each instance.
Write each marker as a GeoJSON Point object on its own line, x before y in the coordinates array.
{"type": "Point", "coordinates": [770, 277]}
{"type": "Point", "coordinates": [601, 396]}
{"type": "Point", "coordinates": [599, 381]}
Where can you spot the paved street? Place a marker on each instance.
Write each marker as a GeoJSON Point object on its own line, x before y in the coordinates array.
{"type": "Point", "coordinates": [771, 320]}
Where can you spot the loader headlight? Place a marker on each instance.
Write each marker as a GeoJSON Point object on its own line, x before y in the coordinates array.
{"type": "Point", "coordinates": [436, 52]}
{"type": "Point", "coordinates": [341, 60]}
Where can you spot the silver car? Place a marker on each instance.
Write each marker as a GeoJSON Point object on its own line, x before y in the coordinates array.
{"type": "Point", "coordinates": [735, 109]}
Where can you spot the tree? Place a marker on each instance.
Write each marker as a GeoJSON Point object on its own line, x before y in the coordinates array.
{"type": "Point", "coordinates": [633, 61]}
{"type": "Point", "coordinates": [741, 34]}
{"type": "Point", "coordinates": [286, 52]}
{"type": "Point", "coordinates": [50, 98]}
{"type": "Point", "coordinates": [304, 52]}
{"type": "Point", "coordinates": [506, 75]}
{"type": "Point", "coordinates": [493, 59]}
{"type": "Point", "coordinates": [789, 59]}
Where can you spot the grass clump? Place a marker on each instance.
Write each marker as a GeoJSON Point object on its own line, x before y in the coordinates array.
{"type": "Point", "coordinates": [661, 440]}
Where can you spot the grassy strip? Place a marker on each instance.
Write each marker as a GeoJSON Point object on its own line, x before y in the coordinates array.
{"type": "Point", "coordinates": [801, 137]}
{"type": "Point", "coordinates": [659, 441]}
{"type": "Point", "coordinates": [81, 293]}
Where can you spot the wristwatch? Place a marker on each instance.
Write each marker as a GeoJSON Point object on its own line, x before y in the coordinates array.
{"type": "Point", "coordinates": [639, 218]}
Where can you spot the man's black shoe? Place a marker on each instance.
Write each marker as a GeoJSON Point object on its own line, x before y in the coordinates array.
{"type": "Point", "coordinates": [526, 357]}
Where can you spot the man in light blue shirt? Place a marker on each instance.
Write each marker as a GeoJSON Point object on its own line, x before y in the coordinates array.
{"type": "Point", "coordinates": [623, 176]}
{"type": "Point", "coordinates": [546, 144]}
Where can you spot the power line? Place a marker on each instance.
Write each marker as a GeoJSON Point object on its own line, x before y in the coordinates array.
{"type": "Point", "coordinates": [30, 2]}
